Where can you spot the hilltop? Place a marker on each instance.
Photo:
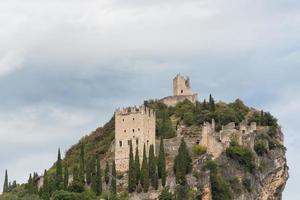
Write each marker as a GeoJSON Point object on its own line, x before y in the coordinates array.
{"type": "Point", "coordinates": [237, 172]}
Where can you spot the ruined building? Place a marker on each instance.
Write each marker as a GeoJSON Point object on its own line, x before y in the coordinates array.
{"type": "Point", "coordinates": [136, 126]}
{"type": "Point", "coordinates": [181, 91]}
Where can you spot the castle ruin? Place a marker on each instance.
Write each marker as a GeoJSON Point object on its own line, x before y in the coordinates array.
{"type": "Point", "coordinates": [136, 126]}
{"type": "Point", "coordinates": [181, 91]}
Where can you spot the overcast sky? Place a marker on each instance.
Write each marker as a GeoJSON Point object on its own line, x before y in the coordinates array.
{"type": "Point", "coordinates": [65, 65]}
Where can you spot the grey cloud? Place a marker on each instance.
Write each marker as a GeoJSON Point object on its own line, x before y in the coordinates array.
{"type": "Point", "coordinates": [63, 61]}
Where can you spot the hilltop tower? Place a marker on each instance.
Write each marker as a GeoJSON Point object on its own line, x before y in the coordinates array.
{"type": "Point", "coordinates": [181, 91]}
{"type": "Point", "coordinates": [136, 126]}
{"type": "Point", "coordinates": [181, 86]}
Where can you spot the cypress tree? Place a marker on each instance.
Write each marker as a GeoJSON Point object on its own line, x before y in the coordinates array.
{"type": "Point", "coordinates": [29, 185]}
{"type": "Point", "coordinates": [161, 164]}
{"type": "Point", "coordinates": [75, 174]}
{"type": "Point", "coordinates": [212, 106]}
{"type": "Point", "coordinates": [131, 172]}
{"type": "Point", "coordinates": [5, 186]}
{"type": "Point", "coordinates": [66, 177]}
{"type": "Point", "coordinates": [94, 176]}
{"type": "Point", "coordinates": [82, 165]}
{"type": "Point", "coordinates": [137, 167]}
{"type": "Point", "coordinates": [205, 106]}
{"type": "Point", "coordinates": [113, 186]}
{"type": "Point", "coordinates": [89, 167]}
{"type": "Point", "coordinates": [59, 172]}
{"type": "Point", "coordinates": [46, 187]}
{"type": "Point", "coordinates": [182, 163]}
{"type": "Point", "coordinates": [153, 168]}
{"type": "Point", "coordinates": [106, 173]}
{"type": "Point", "coordinates": [98, 178]}
{"type": "Point", "coordinates": [145, 171]}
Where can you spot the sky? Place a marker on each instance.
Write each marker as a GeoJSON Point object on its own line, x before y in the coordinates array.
{"type": "Point", "coordinates": [66, 65]}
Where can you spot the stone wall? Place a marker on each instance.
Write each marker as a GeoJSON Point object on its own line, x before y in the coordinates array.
{"type": "Point", "coordinates": [173, 100]}
{"type": "Point", "coordinates": [135, 125]}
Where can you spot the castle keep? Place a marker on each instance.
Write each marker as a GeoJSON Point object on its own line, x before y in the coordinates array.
{"type": "Point", "coordinates": [181, 91]}
{"type": "Point", "coordinates": [136, 126]}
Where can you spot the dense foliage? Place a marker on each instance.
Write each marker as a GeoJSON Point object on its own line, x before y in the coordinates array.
{"type": "Point", "coordinates": [242, 155]}
{"type": "Point", "coordinates": [163, 122]}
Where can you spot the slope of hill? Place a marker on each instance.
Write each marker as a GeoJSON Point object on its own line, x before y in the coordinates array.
{"type": "Point", "coordinates": [257, 171]}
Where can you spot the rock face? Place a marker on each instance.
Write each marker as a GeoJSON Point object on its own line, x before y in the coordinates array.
{"type": "Point", "coordinates": [267, 181]}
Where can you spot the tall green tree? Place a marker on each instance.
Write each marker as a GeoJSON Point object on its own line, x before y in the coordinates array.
{"type": "Point", "coordinates": [98, 177]}
{"type": "Point", "coordinates": [145, 171]}
{"type": "Point", "coordinates": [66, 177]}
{"type": "Point", "coordinates": [131, 172]}
{"type": "Point", "coordinates": [106, 173]}
{"type": "Point", "coordinates": [29, 186]}
{"type": "Point", "coordinates": [113, 186]}
{"type": "Point", "coordinates": [153, 168]}
{"type": "Point", "coordinates": [46, 187]}
{"type": "Point", "coordinates": [204, 105]}
{"type": "Point", "coordinates": [137, 167]}
{"type": "Point", "coordinates": [89, 167]}
{"type": "Point", "coordinates": [59, 172]}
{"type": "Point", "coordinates": [182, 163]}
{"type": "Point", "coordinates": [94, 176]}
{"type": "Point", "coordinates": [212, 106]}
{"type": "Point", "coordinates": [82, 165]}
{"type": "Point", "coordinates": [161, 163]}
{"type": "Point", "coordinates": [5, 186]}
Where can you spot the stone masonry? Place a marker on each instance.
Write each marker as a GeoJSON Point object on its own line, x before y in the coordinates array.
{"type": "Point", "coordinates": [136, 126]}
{"type": "Point", "coordinates": [181, 91]}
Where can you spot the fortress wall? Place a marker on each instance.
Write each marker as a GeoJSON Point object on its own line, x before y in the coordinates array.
{"type": "Point", "coordinates": [135, 126]}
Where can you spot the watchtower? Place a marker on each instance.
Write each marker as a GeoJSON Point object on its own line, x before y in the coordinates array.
{"type": "Point", "coordinates": [181, 86]}
{"type": "Point", "coordinates": [136, 126]}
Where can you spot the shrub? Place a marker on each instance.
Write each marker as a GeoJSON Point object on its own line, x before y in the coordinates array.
{"type": "Point", "coordinates": [76, 186]}
{"type": "Point", "coordinates": [165, 194]}
{"type": "Point", "coordinates": [247, 184]}
{"type": "Point", "coordinates": [242, 155]}
{"type": "Point", "coordinates": [272, 131]}
{"type": "Point", "coordinates": [261, 147]}
{"type": "Point", "coordinates": [220, 188]}
{"type": "Point", "coordinates": [235, 185]}
{"type": "Point", "coordinates": [199, 149]}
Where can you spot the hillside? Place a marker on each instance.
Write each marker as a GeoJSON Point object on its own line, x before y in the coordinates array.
{"type": "Point", "coordinates": [240, 169]}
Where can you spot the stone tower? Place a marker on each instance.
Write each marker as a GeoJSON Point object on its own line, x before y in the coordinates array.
{"type": "Point", "coordinates": [181, 91]}
{"type": "Point", "coordinates": [181, 86]}
{"type": "Point", "coordinates": [136, 126]}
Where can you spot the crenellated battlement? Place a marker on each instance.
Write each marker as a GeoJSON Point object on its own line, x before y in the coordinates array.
{"type": "Point", "coordinates": [144, 110]}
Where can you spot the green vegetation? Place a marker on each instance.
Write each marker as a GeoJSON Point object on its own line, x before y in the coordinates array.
{"type": "Point", "coordinates": [113, 186]}
{"type": "Point", "coordinates": [199, 149]}
{"type": "Point", "coordinates": [161, 163]}
{"type": "Point", "coordinates": [163, 122]}
{"type": "Point", "coordinates": [261, 147]}
{"type": "Point", "coordinates": [98, 176]}
{"type": "Point", "coordinates": [263, 118]}
{"type": "Point", "coordinates": [106, 173]}
{"type": "Point", "coordinates": [97, 143]}
{"type": "Point", "coordinates": [137, 167]}
{"type": "Point", "coordinates": [182, 163]}
{"type": "Point", "coordinates": [242, 155]}
{"type": "Point", "coordinates": [5, 186]}
{"type": "Point", "coordinates": [247, 184]}
{"type": "Point", "coordinates": [131, 172]}
{"type": "Point", "coordinates": [221, 189]}
{"type": "Point", "coordinates": [145, 172]}
{"type": "Point", "coordinates": [166, 194]}
{"type": "Point", "coordinates": [59, 172]}
{"type": "Point", "coordinates": [153, 168]}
